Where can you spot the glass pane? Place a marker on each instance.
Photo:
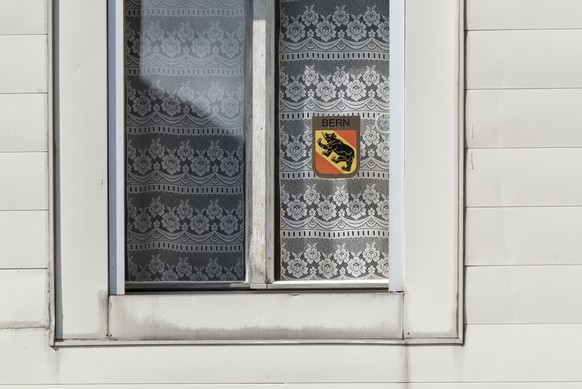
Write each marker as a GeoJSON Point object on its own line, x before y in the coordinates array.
{"type": "Point", "coordinates": [185, 88]}
{"type": "Point", "coordinates": [333, 60]}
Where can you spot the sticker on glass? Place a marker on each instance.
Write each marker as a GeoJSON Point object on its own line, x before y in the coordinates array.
{"type": "Point", "coordinates": [336, 146]}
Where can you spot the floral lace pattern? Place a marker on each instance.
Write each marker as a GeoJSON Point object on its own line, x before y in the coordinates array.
{"type": "Point", "coordinates": [312, 264]}
{"type": "Point", "coordinates": [185, 169]}
{"type": "Point", "coordinates": [339, 85]}
{"type": "Point", "coordinates": [334, 31]}
{"type": "Point", "coordinates": [340, 208]}
{"type": "Point", "coordinates": [333, 60]}
{"type": "Point", "coordinates": [185, 140]}
{"type": "Point", "coordinates": [188, 102]}
{"type": "Point", "coordinates": [206, 39]}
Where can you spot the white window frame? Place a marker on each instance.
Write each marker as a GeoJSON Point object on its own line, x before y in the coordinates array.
{"type": "Point", "coordinates": [90, 308]}
{"type": "Point", "coordinates": [260, 267]}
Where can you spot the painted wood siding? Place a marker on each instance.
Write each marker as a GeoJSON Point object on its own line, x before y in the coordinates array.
{"type": "Point", "coordinates": [24, 187]}
{"type": "Point", "coordinates": [523, 228]}
{"type": "Point", "coordinates": [524, 179]}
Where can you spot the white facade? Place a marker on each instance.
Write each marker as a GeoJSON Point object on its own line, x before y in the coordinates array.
{"type": "Point", "coordinates": [523, 192]}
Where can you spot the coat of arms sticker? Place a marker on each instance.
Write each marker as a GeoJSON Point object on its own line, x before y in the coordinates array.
{"type": "Point", "coordinates": [336, 146]}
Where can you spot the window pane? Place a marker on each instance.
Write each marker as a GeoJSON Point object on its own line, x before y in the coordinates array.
{"type": "Point", "coordinates": [333, 60]}
{"type": "Point", "coordinates": [185, 76]}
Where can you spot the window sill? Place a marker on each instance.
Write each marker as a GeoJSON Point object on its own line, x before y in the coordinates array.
{"type": "Point", "coordinates": [226, 317]}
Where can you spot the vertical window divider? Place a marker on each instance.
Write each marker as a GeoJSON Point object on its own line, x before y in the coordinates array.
{"type": "Point", "coordinates": [260, 154]}
{"type": "Point", "coordinates": [270, 117]}
{"type": "Point", "coordinates": [116, 121]}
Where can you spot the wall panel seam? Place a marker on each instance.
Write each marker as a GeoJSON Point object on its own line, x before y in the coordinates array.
{"type": "Point", "coordinates": [7, 152]}
{"type": "Point", "coordinates": [524, 88]}
{"type": "Point", "coordinates": [24, 327]}
{"type": "Point", "coordinates": [523, 29]}
{"type": "Point", "coordinates": [22, 35]}
{"type": "Point", "coordinates": [15, 35]}
{"type": "Point", "coordinates": [519, 206]}
{"type": "Point", "coordinates": [523, 148]}
{"type": "Point", "coordinates": [31, 209]}
{"type": "Point", "coordinates": [502, 266]}
{"type": "Point", "coordinates": [22, 268]}
{"type": "Point", "coordinates": [24, 93]}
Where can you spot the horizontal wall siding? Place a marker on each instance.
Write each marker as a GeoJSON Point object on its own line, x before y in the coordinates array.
{"type": "Point", "coordinates": [357, 385]}
{"type": "Point", "coordinates": [492, 354]}
{"type": "Point", "coordinates": [23, 64]}
{"type": "Point", "coordinates": [23, 298]}
{"type": "Point", "coordinates": [523, 135]}
{"type": "Point", "coordinates": [23, 17]}
{"type": "Point", "coordinates": [523, 14]}
{"type": "Point", "coordinates": [23, 122]}
{"type": "Point", "coordinates": [24, 197]}
{"type": "Point", "coordinates": [524, 295]}
{"type": "Point", "coordinates": [524, 118]}
{"type": "Point", "coordinates": [524, 177]}
{"type": "Point", "coordinates": [524, 59]}
{"type": "Point", "coordinates": [523, 236]}
{"type": "Point", "coordinates": [25, 239]}
{"type": "Point", "coordinates": [23, 181]}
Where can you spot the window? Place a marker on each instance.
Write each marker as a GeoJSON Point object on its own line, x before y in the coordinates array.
{"type": "Point", "coordinates": [186, 87]}
{"type": "Point", "coordinates": [427, 310]}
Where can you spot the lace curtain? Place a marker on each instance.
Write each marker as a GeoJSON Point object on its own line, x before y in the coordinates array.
{"type": "Point", "coordinates": [185, 78]}
{"type": "Point", "coordinates": [333, 60]}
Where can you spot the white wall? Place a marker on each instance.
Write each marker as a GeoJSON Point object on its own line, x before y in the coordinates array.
{"type": "Point", "coordinates": [524, 181]}
{"type": "Point", "coordinates": [24, 218]}
{"type": "Point", "coordinates": [523, 229]}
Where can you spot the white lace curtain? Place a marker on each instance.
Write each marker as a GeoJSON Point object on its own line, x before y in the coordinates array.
{"type": "Point", "coordinates": [185, 80]}
{"type": "Point", "coordinates": [185, 87]}
{"type": "Point", "coordinates": [333, 60]}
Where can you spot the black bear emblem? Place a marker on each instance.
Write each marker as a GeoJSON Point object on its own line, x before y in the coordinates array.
{"type": "Point", "coordinates": [345, 153]}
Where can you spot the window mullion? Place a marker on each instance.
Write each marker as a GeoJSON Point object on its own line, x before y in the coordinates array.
{"type": "Point", "coordinates": [260, 156]}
